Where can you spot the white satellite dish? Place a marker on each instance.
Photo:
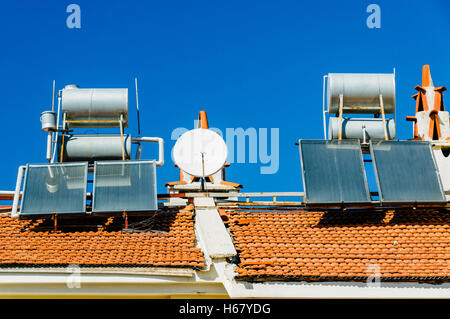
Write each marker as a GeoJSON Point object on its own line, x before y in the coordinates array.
{"type": "Point", "coordinates": [189, 148]}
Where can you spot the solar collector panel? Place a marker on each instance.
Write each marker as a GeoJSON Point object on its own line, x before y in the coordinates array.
{"type": "Point", "coordinates": [54, 188]}
{"type": "Point", "coordinates": [124, 186]}
{"type": "Point", "coordinates": [333, 172]}
{"type": "Point", "coordinates": [406, 172]}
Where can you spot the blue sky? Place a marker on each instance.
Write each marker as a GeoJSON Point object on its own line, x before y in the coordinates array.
{"type": "Point", "coordinates": [247, 63]}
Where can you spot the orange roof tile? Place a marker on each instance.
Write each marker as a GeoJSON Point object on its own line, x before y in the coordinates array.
{"type": "Point", "coordinates": [168, 240]}
{"type": "Point", "coordinates": [299, 245]}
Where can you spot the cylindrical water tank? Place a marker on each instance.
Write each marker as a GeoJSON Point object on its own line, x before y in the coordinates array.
{"type": "Point", "coordinates": [361, 90]}
{"type": "Point", "coordinates": [90, 147]}
{"type": "Point", "coordinates": [352, 128]}
{"type": "Point", "coordinates": [95, 105]}
{"type": "Point", "coordinates": [48, 121]}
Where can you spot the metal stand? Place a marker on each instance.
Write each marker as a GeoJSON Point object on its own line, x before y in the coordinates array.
{"type": "Point", "coordinates": [65, 122]}
{"type": "Point", "coordinates": [383, 117]}
{"type": "Point", "coordinates": [55, 222]}
{"type": "Point", "coordinates": [341, 120]}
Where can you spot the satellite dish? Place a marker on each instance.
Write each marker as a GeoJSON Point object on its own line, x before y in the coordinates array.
{"type": "Point", "coordinates": [190, 147]}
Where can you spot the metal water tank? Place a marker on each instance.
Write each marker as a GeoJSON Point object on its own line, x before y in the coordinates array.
{"type": "Point", "coordinates": [352, 128]}
{"type": "Point", "coordinates": [90, 147]}
{"type": "Point", "coordinates": [361, 90]}
{"type": "Point", "coordinates": [95, 105]}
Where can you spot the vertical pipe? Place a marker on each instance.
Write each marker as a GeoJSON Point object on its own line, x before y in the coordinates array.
{"type": "Point", "coordinates": [137, 108]}
{"type": "Point", "coordinates": [14, 212]}
{"type": "Point", "coordinates": [395, 109]}
{"type": "Point", "coordinates": [364, 134]}
{"type": "Point", "coordinates": [53, 97]}
{"type": "Point", "coordinates": [160, 161]}
{"type": "Point", "coordinates": [57, 127]}
{"type": "Point", "coordinates": [49, 147]}
{"type": "Point", "coordinates": [323, 107]}
{"type": "Point", "coordinates": [341, 110]}
{"type": "Point", "coordinates": [50, 134]}
{"type": "Point", "coordinates": [121, 137]}
{"type": "Point", "coordinates": [383, 117]}
{"type": "Point", "coordinates": [62, 140]}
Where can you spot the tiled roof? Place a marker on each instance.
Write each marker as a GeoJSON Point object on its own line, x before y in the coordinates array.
{"type": "Point", "coordinates": [351, 246]}
{"type": "Point", "coordinates": [164, 239]}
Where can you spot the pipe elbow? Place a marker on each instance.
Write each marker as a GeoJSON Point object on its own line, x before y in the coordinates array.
{"type": "Point", "coordinates": [160, 141]}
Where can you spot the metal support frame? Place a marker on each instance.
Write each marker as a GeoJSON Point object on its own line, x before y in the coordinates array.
{"type": "Point", "coordinates": [62, 141]}
{"type": "Point", "coordinates": [65, 122]}
{"type": "Point", "coordinates": [342, 108]}
{"type": "Point", "coordinates": [383, 117]}
{"type": "Point", "coordinates": [14, 212]}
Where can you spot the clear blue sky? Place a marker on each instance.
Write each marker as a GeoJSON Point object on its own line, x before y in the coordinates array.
{"type": "Point", "coordinates": [247, 63]}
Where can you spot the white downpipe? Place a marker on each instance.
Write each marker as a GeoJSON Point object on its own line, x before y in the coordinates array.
{"type": "Point", "coordinates": [57, 128]}
{"type": "Point", "coordinates": [325, 77]}
{"type": "Point", "coordinates": [160, 141]}
{"type": "Point", "coordinates": [49, 146]}
{"type": "Point", "coordinates": [14, 213]}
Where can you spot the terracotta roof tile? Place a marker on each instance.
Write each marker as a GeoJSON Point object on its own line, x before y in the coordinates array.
{"type": "Point", "coordinates": [168, 240]}
{"type": "Point", "coordinates": [299, 245]}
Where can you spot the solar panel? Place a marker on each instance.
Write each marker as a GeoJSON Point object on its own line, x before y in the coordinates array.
{"type": "Point", "coordinates": [333, 172]}
{"type": "Point", "coordinates": [406, 172]}
{"type": "Point", "coordinates": [124, 186]}
{"type": "Point", "coordinates": [55, 188]}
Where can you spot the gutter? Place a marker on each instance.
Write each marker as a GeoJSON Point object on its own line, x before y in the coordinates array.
{"type": "Point", "coordinates": [325, 290]}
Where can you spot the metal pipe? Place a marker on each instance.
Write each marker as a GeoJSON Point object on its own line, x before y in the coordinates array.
{"type": "Point", "coordinates": [395, 111]}
{"type": "Point", "coordinates": [383, 117]}
{"type": "Point", "coordinates": [341, 105]}
{"type": "Point", "coordinates": [14, 213]}
{"type": "Point", "coordinates": [62, 141]}
{"type": "Point", "coordinates": [323, 107]}
{"type": "Point", "coordinates": [159, 140]}
{"type": "Point", "coordinates": [55, 141]}
{"type": "Point", "coordinates": [121, 137]}
{"type": "Point", "coordinates": [53, 97]}
{"type": "Point", "coordinates": [137, 107]}
{"type": "Point", "coordinates": [49, 146]}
